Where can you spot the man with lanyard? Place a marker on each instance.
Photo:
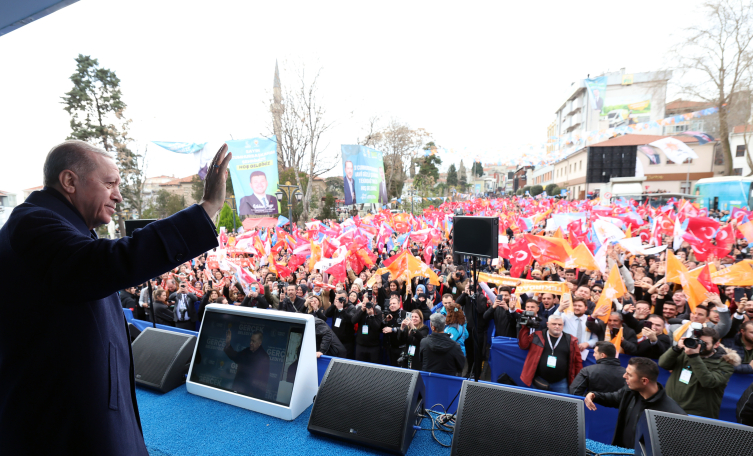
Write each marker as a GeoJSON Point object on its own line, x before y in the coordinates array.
{"type": "Point", "coordinates": [184, 314]}
{"type": "Point", "coordinates": [553, 359]}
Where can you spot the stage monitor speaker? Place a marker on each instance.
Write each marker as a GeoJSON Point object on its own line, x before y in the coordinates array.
{"type": "Point", "coordinates": [369, 404]}
{"type": "Point", "coordinates": [161, 358]}
{"type": "Point", "coordinates": [497, 419]}
{"type": "Point", "coordinates": [476, 236]}
{"type": "Point", "coordinates": [132, 225]}
{"type": "Point", "coordinates": [669, 434]}
{"type": "Point", "coordinates": [133, 331]}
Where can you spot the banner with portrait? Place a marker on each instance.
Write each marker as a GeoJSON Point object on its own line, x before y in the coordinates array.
{"type": "Point", "coordinates": [597, 87]}
{"type": "Point", "coordinates": [253, 170]}
{"type": "Point", "coordinates": [363, 176]}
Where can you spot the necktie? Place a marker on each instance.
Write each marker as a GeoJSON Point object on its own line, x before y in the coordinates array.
{"type": "Point", "coordinates": [579, 332]}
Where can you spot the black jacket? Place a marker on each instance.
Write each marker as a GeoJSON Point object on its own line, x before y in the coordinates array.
{"type": "Point", "coordinates": [374, 323]}
{"type": "Point", "coordinates": [629, 343]}
{"type": "Point", "coordinates": [345, 331]}
{"type": "Point", "coordinates": [327, 342]}
{"type": "Point", "coordinates": [165, 316]}
{"type": "Point", "coordinates": [472, 319]}
{"type": "Point", "coordinates": [745, 407]}
{"type": "Point", "coordinates": [504, 321]}
{"type": "Point", "coordinates": [191, 310]}
{"type": "Point", "coordinates": [259, 302]}
{"type": "Point", "coordinates": [440, 355]}
{"type": "Point", "coordinates": [603, 377]}
{"type": "Point", "coordinates": [653, 351]}
{"type": "Point", "coordinates": [393, 320]}
{"type": "Point", "coordinates": [411, 305]}
{"type": "Point", "coordinates": [128, 300]}
{"type": "Point", "coordinates": [287, 305]}
{"type": "Point", "coordinates": [631, 405]}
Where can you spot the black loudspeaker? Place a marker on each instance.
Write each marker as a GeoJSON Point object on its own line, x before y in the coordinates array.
{"type": "Point", "coordinates": [476, 236]}
{"type": "Point", "coordinates": [669, 434]}
{"type": "Point", "coordinates": [603, 163]}
{"type": "Point", "coordinates": [132, 225]}
{"type": "Point", "coordinates": [369, 404]}
{"type": "Point", "coordinates": [161, 358]}
{"type": "Point", "coordinates": [496, 419]}
{"type": "Point", "coordinates": [133, 332]}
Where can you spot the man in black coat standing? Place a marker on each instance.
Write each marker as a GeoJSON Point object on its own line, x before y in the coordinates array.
{"type": "Point", "coordinates": [439, 354]}
{"type": "Point", "coordinates": [641, 392]}
{"type": "Point", "coordinates": [254, 298]}
{"type": "Point", "coordinates": [89, 405]}
{"type": "Point", "coordinates": [291, 302]}
{"type": "Point", "coordinates": [606, 376]}
{"type": "Point", "coordinates": [184, 313]}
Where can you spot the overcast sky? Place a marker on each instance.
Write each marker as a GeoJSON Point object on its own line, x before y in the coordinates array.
{"type": "Point", "coordinates": [480, 76]}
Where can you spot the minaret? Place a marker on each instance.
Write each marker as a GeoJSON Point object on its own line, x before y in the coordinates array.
{"type": "Point", "coordinates": [276, 109]}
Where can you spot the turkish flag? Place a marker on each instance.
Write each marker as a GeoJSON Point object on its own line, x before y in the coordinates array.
{"type": "Point", "coordinates": [545, 250]}
{"type": "Point", "coordinates": [520, 257]}
{"type": "Point", "coordinates": [338, 271]}
{"type": "Point", "coordinates": [725, 238]}
{"type": "Point", "coordinates": [702, 228]}
{"type": "Point", "coordinates": [704, 278]}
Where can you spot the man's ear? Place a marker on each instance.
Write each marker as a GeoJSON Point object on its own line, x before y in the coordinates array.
{"type": "Point", "coordinates": [67, 181]}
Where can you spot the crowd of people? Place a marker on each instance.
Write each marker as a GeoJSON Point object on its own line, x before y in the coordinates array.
{"type": "Point", "coordinates": [437, 319]}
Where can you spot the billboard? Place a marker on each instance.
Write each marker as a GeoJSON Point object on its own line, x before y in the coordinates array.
{"type": "Point", "coordinates": [363, 176]}
{"type": "Point", "coordinates": [598, 89]}
{"type": "Point", "coordinates": [627, 110]}
{"type": "Point", "coordinates": [253, 170]}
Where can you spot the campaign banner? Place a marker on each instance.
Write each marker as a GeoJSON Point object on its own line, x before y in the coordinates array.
{"type": "Point", "coordinates": [598, 89]}
{"type": "Point", "coordinates": [253, 170]}
{"type": "Point", "coordinates": [363, 176]}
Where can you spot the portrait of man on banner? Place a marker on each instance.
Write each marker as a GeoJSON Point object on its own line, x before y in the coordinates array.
{"type": "Point", "coordinates": [260, 203]}
{"type": "Point", "coordinates": [598, 88]}
{"type": "Point", "coordinates": [350, 183]}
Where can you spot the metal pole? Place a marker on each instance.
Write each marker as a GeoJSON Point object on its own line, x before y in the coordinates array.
{"type": "Point", "coordinates": [290, 216]}
{"type": "Point", "coordinates": [688, 177]}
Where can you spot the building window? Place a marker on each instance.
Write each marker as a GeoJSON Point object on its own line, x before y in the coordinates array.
{"type": "Point", "coordinates": [581, 168]}
{"type": "Point", "coordinates": [740, 151]}
{"type": "Point", "coordinates": [737, 171]}
{"type": "Point", "coordinates": [687, 161]}
{"type": "Point", "coordinates": [685, 187]}
{"type": "Point", "coordinates": [670, 162]}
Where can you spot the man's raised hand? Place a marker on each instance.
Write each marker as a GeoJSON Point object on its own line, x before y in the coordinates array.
{"type": "Point", "coordinates": [214, 183]}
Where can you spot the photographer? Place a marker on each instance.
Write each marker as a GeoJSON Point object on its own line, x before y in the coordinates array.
{"type": "Point", "coordinates": [641, 392]}
{"type": "Point", "coordinates": [476, 325]}
{"type": "Point", "coordinates": [341, 313]}
{"type": "Point", "coordinates": [291, 302]}
{"type": "Point", "coordinates": [458, 282]}
{"type": "Point", "coordinates": [652, 342]}
{"type": "Point", "coordinates": [419, 303]}
{"type": "Point", "coordinates": [553, 358]}
{"type": "Point", "coordinates": [438, 353]}
{"type": "Point", "coordinates": [448, 268]}
{"type": "Point", "coordinates": [369, 321]}
{"type": "Point", "coordinates": [254, 298]}
{"type": "Point", "coordinates": [502, 313]}
{"type": "Point", "coordinates": [700, 372]}
{"type": "Point", "coordinates": [412, 331]}
{"type": "Point", "coordinates": [393, 319]}
{"type": "Point", "coordinates": [529, 318]}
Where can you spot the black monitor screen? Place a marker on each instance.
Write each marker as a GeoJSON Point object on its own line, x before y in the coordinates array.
{"type": "Point", "coordinates": [252, 356]}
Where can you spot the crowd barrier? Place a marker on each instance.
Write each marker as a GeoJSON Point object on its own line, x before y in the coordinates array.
{"type": "Point", "coordinates": [507, 358]}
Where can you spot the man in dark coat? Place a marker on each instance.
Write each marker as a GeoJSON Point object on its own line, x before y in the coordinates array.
{"type": "Point", "coordinates": [252, 375]}
{"type": "Point", "coordinates": [327, 342]}
{"type": "Point", "coordinates": [606, 376]}
{"type": "Point", "coordinates": [184, 313]}
{"type": "Point", "coordinates": [440, 354]}
{"type": "Point", "coordinates": [641, 392]}
{"type": "Point", "coordinates": [67, 370]}
{"type": "Point", "coordinates": [255, 298]}
{"type": "Point", "coordinates": [291, 302]}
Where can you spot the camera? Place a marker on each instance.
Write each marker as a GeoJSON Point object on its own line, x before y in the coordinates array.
{"type": "Point", "coordinates": [529, 319]}
{"type": "Point", "coordinates": [370, 293]}
{"type": "Point", "coordinates": [695, 340]}
{"type": "Point", "coordinates": [341, 299]}
{"type": "Point", "coordinates": [369, 305]}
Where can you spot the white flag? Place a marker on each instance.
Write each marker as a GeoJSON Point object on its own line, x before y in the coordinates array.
{"type": "Point", "coordinates": [674, 149]}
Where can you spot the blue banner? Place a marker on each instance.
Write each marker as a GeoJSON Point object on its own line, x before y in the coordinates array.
{"type": "Point", "coordinates": [253, 170]}
{"type": "Point", "coordinates": [363, 176]}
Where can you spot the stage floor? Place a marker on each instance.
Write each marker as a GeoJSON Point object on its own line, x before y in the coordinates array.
{"type": "Point", "coordinates": [179, 423]}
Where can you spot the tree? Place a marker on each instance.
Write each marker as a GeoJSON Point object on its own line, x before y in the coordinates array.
{"type": "Point", "coordinates": [328, 210]}
{"type": "Point", "coordinates": [714, 60]}
{"type": "Point", "coordinates": [550, 189]}
{"type": "Point", "coordinates": [334, 185]}
{"type": "Point", "coordinates": [555, 191]}
{"type": "Point", "coordinates": [226, 219]}
{"type": "Point", "coordinates": [164, 205]}
{"type": "Point", "coordinates": [536, 190]}
{"type": "Point", "coordinates": [452, 176]}
{"type": "Point", "coordinates": [398, 144]}
{"type": "Point", "coordinates": [527, 188]}
{"type": "Point", "coordinates": [96, 108]}
{"type": "Point", "coordinates": [477, 169]}
{"type": "Point", "coordinates": [197, 187]}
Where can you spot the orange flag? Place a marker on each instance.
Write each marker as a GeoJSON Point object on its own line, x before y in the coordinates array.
{"type": "Point", "coordinates": [613, 289]}
{"type": "Point", "coordinates": [316, 255]}
{"type": "Point", "coordinates": [747, 230]}
{"type": "Point", "coordinates": [617, 341]}
{"type": "Point", "coordinates": [558, 234]}
{"type": "Point", "coordinates": [581, 257]}
{"type": "Point", "coordinates": [740, 274]}
{"type": "Point", "coordinates": [407, 266]}
{"type": "Point", "coordinates": [678, 273]}
{"type": "Point", "coordinates": [547, 249]}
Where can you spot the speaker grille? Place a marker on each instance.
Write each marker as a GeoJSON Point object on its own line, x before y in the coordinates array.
{"type": "Point", "coordinates": [681, 436]}
{"type": "Point", "coordinates": [153, 352]}
{"type": "Point", "coordinates": [364, 401]}
{"type": "Point", "coordinates": [507, 421]}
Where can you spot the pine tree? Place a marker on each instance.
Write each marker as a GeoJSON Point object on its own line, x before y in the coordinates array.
{"type": "Point", "coordinates": [462, 176]}
{"type": "Point", "coordinates": [96, 108]}
{"type": "Point", "coordinates": [226, 219]}
{"type": "Point", "coordinates": [452, 176]}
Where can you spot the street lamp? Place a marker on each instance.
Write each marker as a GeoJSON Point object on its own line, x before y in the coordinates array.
{"type": "Point", "coordinates": [232, 208]}
{"type": "Point", "coordinates": [289, 191]}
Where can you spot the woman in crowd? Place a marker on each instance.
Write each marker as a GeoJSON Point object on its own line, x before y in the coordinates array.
{"type": "Point", "coordinates": [456, 327]}
{"type": "Point", "coordinates": [412, 331]}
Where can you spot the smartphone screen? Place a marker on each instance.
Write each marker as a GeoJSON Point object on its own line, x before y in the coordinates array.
{"type": "Point", "coordinates": [739, 293]}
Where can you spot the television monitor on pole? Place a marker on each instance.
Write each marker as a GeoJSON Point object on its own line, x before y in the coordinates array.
{"type": "Point", "coordinates": [261, 360]}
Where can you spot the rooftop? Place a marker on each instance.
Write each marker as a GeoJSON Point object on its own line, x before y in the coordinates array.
{"type": "Point", "coordinates": [742, 129]}
{"type": "Point", "coordinates": [182, 180]}
{"type": "Point", "coordinates": [686, 104]}
{"type": "Point", "coordinates": [34, 188]}
{"type": "Point", "coordinates": [639, 140]}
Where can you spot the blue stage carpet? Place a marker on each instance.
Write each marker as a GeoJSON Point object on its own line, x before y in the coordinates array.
{"type": "Point", "coordinates": [179, 423]}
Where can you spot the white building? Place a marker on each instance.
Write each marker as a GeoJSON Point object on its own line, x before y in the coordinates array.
{"type": "Point", "coordinates": [7, 203]}
{"type": "Point", "coordinates": [737, 139]}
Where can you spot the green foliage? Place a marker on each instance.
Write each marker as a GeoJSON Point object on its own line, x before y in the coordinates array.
{"type": "Point", "coordinates": [536, 190]}
{"type": "Point", "coordinates": [452, 176]}
{"type": "Point", "coordinates": [527, 188]}
{"type": "Point", "coordinates": [328, 209]}
{"type": "Point", "coordinates": [334, 186]}
{"type": "Point", "coordinates": [428, 174]}
{"type": "Point", "coordinates": [477, 169]}
{"type": "Point", "coordinates": [164, 205]}
{"type": "Point", "coordinates": [197, 188]}
{"type": "Point", "coordinates": [519, 192]}
{"type": "Point", "coordinates": [226, 219]}
{"type": "Point", "coordinates": [555, 190]}
{"type": "Point", "coordinates": [550, 188]}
